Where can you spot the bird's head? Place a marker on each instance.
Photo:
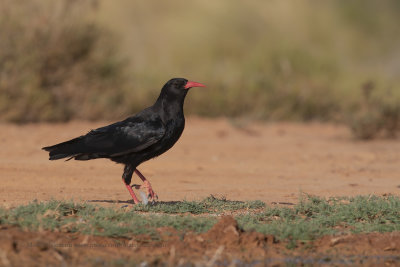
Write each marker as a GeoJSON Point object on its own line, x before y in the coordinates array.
{"type": "Point", "coordinates": [182, 84]}
{"type": "Point", "coordinates": [178, 87]}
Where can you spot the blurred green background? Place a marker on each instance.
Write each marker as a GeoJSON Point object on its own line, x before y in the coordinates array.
{"type": "Point", "coordinates": [276, 60]}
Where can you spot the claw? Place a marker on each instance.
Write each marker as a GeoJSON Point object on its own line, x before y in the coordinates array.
{"type": "Point", "coordinates": [147, 186]}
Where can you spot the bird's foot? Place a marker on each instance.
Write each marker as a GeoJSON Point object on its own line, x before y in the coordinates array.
{"type": "Point", "coordinates": [149, 190]}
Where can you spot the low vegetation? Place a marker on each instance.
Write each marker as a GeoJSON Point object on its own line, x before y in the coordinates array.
{"type": "Point", "coordinates": [311, 218]}
{"type": "Point", "coordinates": [376, 114]}
{"type": "Point", "coordinates": [314, 217]}
{"type": "Point", "coordinates": [56, 64]}
{"type": "Point", "coordinates": [210, 205]}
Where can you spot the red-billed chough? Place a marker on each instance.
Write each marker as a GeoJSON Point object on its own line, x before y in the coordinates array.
{"type": "Point", "coordinates": [136, 139]}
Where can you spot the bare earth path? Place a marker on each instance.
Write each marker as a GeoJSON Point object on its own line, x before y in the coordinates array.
{"type": "Point", "coordinates": [272, 162]}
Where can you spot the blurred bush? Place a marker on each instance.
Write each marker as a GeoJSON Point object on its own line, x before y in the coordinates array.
{"type": "Point", "coordinates": [376, 115]}
{"type": "Point", "coordinates": [56, 64]}
{"type": "Point", "coordinates": [274, 60]}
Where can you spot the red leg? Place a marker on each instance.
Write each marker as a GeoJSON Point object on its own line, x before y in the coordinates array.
{"type": "Point", "coordinates": [146, 184]}
{"type": "Point", "coordinates": [135, 200]}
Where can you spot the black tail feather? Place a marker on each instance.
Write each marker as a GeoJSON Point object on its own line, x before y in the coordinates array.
{"type": "Point", "coordinates": [66, 149]}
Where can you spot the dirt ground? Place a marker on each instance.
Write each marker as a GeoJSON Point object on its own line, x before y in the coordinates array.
{"type": "Point", "coordinates": [272, 162]}
{"type": "Point", "coordinates": [223, 245]}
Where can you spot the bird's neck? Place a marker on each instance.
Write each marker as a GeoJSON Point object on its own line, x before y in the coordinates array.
{"type": "Point", "coordinates": [170, 106]}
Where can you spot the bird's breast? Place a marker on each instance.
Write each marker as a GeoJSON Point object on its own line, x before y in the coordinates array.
{"type": "Point", "coordinates": [174, 129]}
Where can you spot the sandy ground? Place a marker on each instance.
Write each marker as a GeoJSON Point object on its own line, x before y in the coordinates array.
{"type": "Point", "coordinates": [272, 162]}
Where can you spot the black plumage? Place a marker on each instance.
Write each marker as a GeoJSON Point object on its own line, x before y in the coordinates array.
{"type": "Point", "coordinates": [136, 139]}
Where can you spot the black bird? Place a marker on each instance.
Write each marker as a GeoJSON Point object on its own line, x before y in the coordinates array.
{"type": "Point", "coordinates": [136, 139]}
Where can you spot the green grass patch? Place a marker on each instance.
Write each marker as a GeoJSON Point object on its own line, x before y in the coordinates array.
{"type": "Point", "coordinates": [96, 220]}
{"type": "Point", "coordinates": [311, 218]}
{"type": "Point", "coordinates": [210, 204]}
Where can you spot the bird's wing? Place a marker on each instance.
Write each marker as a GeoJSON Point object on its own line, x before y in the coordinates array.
{"type": "Point", "coordinates": [131, 135]}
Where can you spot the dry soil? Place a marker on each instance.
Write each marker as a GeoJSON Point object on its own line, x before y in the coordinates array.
{"type": "Point", "coordinates": [272, 162]}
